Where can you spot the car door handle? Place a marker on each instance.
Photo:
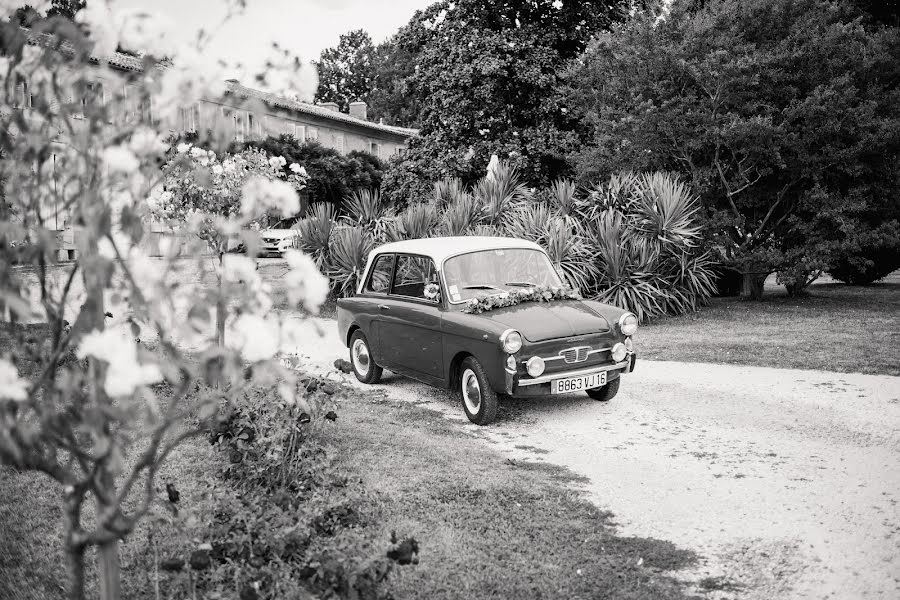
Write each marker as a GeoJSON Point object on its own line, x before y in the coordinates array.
{"type": "Point", "coordinates": [383, 307]}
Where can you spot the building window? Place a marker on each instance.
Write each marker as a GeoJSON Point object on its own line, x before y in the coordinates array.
{"type": "Point", "coordinates": [312, 134]}
{"type": "Point", "coordinates": [190, 118]}
{"type": "Point", "coordinates": [338, 142]}
{"type": "Point", "coordinates": [300, 133]}
{"type": "Point", "coordinates": [375, 149]}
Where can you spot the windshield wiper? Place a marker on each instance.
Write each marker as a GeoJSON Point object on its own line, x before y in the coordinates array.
{"type": "Point", "coordinates": [482, 286]}
{"type": "Point", "coordinates": [520, 284]}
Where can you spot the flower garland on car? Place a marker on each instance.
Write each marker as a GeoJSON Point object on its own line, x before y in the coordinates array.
{"type": "Point", "coordinates": [533, 294]}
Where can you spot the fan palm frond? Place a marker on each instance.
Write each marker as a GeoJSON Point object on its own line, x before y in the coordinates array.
{"type": "Point", "coordinates": [350, 247]}
{"type": "Point", "coordinates": [315, 232]}
{"type": "Point", "coordinates": [368, 209]}
{"type": "Point", "coordinates": [499, 192]}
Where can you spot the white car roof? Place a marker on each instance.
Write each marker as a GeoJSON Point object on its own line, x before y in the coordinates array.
{"type": "Point", "coordinates": [439, 249]}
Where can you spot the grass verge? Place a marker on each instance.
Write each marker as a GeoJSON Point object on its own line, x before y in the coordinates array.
{"type": "Point", "coordinates": [835, 327]}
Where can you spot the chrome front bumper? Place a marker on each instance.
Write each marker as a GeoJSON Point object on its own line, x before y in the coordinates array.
{"type": "Point", "coordinates": [627, 365]}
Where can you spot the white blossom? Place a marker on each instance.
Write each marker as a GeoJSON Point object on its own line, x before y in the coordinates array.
{"type": "Point", "coordinates": [260, 195]}
{"type": "Point", "coordinates": [240, 268]}
{"type": "Point", "coordinates": [198, 152]}
{"type": "Point", "coordinates": [277, 162]}
{"type": "Point", "coordinates": [12, 387]}
{"type": "Point", "coordinates": [183, 147]}
{"type": "Point", "coordinates": [295, 168]}
{"type": "Point", "coordinates": [217, 169]}
{"type": "Point", "coordinates": [124, 373]}
{"type": "Point", "coordinates": [100, 21]}
{"type": "Point", "coordinates": [119, 159]}
{"type": "Point", "coordinates": [255, 337]}
{"type": "Point", "coordinates": [304, 283]}
{"type": "Point", "coordinates": [8, 7]}
{"type": "Point", "coordinates": [147, 142]}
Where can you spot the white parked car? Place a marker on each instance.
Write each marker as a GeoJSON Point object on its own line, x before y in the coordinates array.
{"type": "Point", "coordinates": [279, 237]}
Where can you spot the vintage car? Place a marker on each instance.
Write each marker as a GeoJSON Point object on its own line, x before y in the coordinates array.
{"type": "Point", "coordinates": [483, 316]}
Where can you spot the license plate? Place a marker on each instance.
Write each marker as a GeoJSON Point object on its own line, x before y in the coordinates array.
{"type": "Point", "coordinates": [576, 384]}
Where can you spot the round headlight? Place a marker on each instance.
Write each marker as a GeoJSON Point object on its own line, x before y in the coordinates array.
{"type": "Point", "coordinates": [629, 345]}
{"type": "Point", "coordinates": [628, 324]}
{"type": "Point", "coordinates": [535, 366]}
{"type": "Point", "coordinates": [511, 340]}
{"type": "Point", "coordinates": [619, 352]}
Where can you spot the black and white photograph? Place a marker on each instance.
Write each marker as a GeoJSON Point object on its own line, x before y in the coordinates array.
{"type": "Point", "coordinates": [449, 299]}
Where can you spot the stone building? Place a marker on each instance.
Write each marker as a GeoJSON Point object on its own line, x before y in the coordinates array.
{"type": "Point", "coordinates": [270, 115]}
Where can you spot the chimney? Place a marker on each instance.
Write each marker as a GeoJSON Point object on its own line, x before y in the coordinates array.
{"type": "Point", "coordinates": [332, 106]}
{"type": "Point", "coordinates": [359, 110]}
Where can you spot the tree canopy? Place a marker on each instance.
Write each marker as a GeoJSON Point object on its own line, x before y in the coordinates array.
{"type": "Point", "coordinates": [783, 114]}
{"type": "Point", "coordinates": [486, 80]}
{"type": "Point", "coordinates": [346, 72]}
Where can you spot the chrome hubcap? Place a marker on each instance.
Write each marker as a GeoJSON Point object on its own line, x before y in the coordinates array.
{"type": "Point", "coordinates": [360, 357]}
{"type": "Point", "coordinates": [471, 392]}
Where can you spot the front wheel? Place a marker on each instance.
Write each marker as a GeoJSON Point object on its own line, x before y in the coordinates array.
{"type": "Point", "coordinates": [364, 366]}
{"type": "Point", "coordinates": [479, 398]}
{"type": "Point", "coordinates": [607, 392]}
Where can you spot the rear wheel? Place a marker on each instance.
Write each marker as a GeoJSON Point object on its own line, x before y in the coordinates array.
{"type": "Point", "coordinates": [478, 397]}
{"type": "Point", "coordinates": [364, 366]}
{"type": "Point", "coordinates": [607, 392]}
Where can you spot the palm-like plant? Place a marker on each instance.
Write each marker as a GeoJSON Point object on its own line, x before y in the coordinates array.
{"type": "Point", "coordinates": [666, 210]}
{"type": "Point", "coordinates": [417, 221]}
{"type": "Point", "coordinates": [499, 192]}
{"type": "Point", "coordinates": [367, 209]}
{"type": "Point", "coordinates": [460, 216]}
{"type": "Point", "coordinates": [448, 191]}
{"type": "Point", "coordinates": [571, 255]}
{"type": "Point", "coordinates": [350, 247]}
{"type": "Point", "coordinates": [563, 195]}
{"type": "Point", "coordinates": [530, 221]}
{"type": "Point", "coordinates": [315, 232]}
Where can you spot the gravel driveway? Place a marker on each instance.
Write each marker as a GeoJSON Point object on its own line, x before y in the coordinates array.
{"type": "Point", "coordinates": [787, 482]}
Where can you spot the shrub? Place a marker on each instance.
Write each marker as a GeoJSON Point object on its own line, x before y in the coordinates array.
{"type": "Point", "coordinates": [315, 232]}
{"type": "Point", "coordinates": [869, 257]}
{"type": "Point", "coordinates": [368, 209]}
{"type": "Point", "coordinates": [350, 247]}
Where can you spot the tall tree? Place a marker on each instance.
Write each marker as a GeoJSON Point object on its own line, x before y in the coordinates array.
{"type": "Point", "coordinates": [783, 114]}
{"type": "Point", "coordinates": [391, 98]}
{"type": "Point", "coordinates": [486, 80]}
{"type": "Point", "coordinates": [346, 71]}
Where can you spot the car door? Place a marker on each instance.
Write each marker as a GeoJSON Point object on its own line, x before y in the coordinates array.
{"type": "Point", "coordinates": [376, 290]}
{"type": "Point", "coordinates": [410, 322]}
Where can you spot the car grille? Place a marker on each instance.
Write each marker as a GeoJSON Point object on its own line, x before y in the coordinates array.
{"type": "Point", "coordinates": [575, 355]}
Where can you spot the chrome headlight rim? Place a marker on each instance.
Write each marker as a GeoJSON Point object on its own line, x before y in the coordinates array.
{"type": "Point", "coordinates": [535, 366]}
{"type": "Point", "coordinates": [629, 329]}
{"type": "Point", "coordinates": [511, 341]}
{"type": "Point", "coordinates": [619, 352]}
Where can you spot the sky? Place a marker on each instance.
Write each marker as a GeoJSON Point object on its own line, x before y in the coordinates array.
{"type": "Point", "coordinates": [303, 26]}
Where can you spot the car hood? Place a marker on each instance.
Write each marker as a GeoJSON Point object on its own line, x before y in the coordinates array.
{"type": "Point", "coordinates": [539, 321]}
{"type": "Point", "coordinates": [278, 234]}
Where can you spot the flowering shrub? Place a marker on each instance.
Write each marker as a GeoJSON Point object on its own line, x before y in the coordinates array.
{"type": "Point", "coordinates": [220, 195]}
{"type": "Point", "coordinates": [109, 392]}
{"type": "Point", "coordinates": [515, 297]}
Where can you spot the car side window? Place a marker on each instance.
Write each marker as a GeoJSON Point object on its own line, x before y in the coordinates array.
{"type": "Point", "coordinates": [416, 277]}
{"type": "Point", "coordinates": [380, 279]}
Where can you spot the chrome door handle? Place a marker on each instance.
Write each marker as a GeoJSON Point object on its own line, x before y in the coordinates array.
{"type": "Point", "coordinates": [383, 306]}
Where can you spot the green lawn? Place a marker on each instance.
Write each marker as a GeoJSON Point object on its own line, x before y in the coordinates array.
{"type": "Point", "coordinates": [835, 327]}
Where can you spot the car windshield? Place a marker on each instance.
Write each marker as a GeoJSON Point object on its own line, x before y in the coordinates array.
{"type": "Point", "coordinates": [495, 271]}
{"type": "Point", "coordinates": [285, 223]}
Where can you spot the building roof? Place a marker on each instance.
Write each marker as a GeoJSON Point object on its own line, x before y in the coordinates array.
{"type": "Point", "coordinates": [439, 249]}
{"type": "Point", "coordinates": [135, 64]}
{"type": "Point", "coordinates": [311, 109]}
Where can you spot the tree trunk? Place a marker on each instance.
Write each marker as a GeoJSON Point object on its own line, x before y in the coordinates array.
{"type": "Point", "coordinates": [108, 552]}
{"type": "Point", "coordinates": [74, 552]}
{"type": "Point", "coordinates": [76, 573]}
{"type": "Point", "coordinates": [752, 285]}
